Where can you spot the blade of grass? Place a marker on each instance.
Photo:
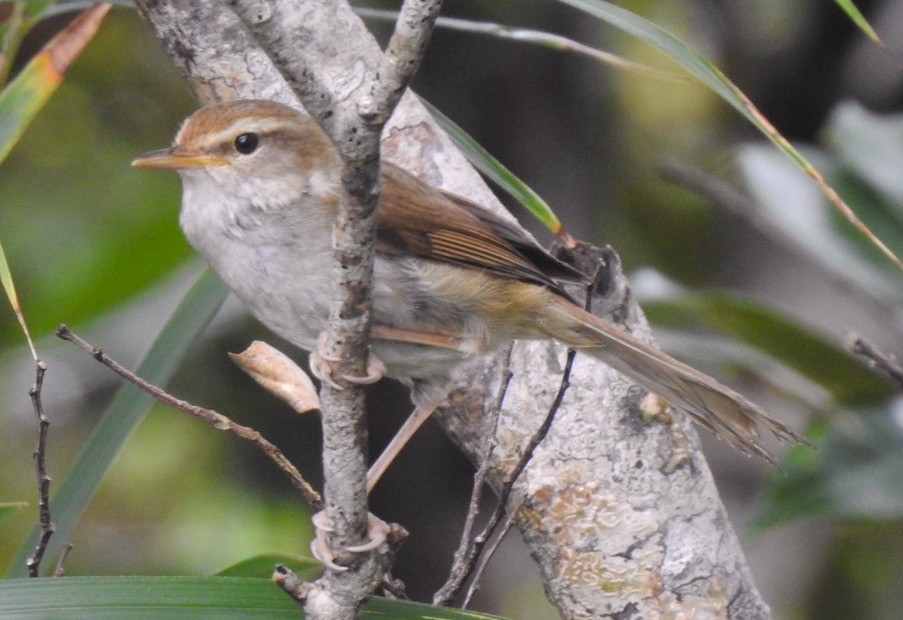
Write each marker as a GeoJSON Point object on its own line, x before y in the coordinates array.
{"type": "Point", "coordinates": [21, 100]}
{"type": "Point", "coordinates": [6, 279]}
{"type": "Point", "coordinates": [12, 31]}
{"type": "Point", "coordinates": [162, 598]}
{"type": "Point", "coordinates": [859, 19]}
{"type": "Point", "coordinates": [712, 77]}
{"type": "Point", "coordinates": [126, 411]}
{"type": "Point", "coordinates": [499, 174]}
{"type": "Point", "coordinates": [8, 509]}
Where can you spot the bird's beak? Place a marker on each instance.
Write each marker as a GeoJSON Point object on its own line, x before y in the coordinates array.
{"type": "Point", "coordinates": [173, 158]}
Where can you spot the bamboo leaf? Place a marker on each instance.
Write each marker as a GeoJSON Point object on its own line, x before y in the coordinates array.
{"type": "Point", "coordinates": [164, 598]}
{"type": "Point", "coordinates": [262, 565]}
{"type": "Point", "coordinates": [711, 76]}
{"type": "Point", "coordinates": [499, 174]}
{"type": "Point", "coordinates": [6, 279]}
{"type": "Point", "coordinates": [23, 98]}
{"type": "Point", "coordinates": [823, 361]}
{"type": "Point", "coordinates": [859, 19]}
{"type": "Point", "coordinates": [7, 509]}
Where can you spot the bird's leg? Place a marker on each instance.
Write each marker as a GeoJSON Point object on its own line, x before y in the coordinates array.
{"type": "Point", "coordinates": [321, 367]}
{"type": "Point", "coordinates": [382, 332]}
{"type": "Point", "coordinates": [421, 412]}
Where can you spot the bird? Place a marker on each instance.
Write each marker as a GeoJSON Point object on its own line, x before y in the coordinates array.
{"type": "Point", "coordinates": [261, 189]}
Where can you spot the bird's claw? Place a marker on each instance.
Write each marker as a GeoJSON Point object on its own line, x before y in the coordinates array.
{"type": "Point", "coordinates": [376, 370]}
{"type": "Point", "coordinates": [377, 532]}
{"type": "Point", "coordinates": [322, 367]}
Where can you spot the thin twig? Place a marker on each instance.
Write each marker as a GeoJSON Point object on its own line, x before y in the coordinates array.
{"type": "Point", "coordinates": [291, 584]}
{"type": "Point", "coordinates": [537, 37]}
{"type": "Point", "coordinates": [33, 563]}
{"type": "Point", "coordinates": [479, 542]}
{"type": "Point", "coordinates": [887, 363]}
{"type": "Point", "coordinates": [540, 433]}
{"type": "Point", "coordinates": [490, 551]}
{"type": "Point", "coordinates": [60, 569]}
{"type": "Point", "coordinates": [219, 421]}
{"type": "Point", "coordinates": [465, 555]}
{"type": "Point", "coordinates": [537, 437]}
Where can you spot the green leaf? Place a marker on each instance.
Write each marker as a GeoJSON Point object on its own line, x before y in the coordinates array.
{"type": "Point", "coordinates": [262, 565]}
{"type": "Point", "coordinates": [859, 19]}
{"type": "Point", "coordinates": [871, 145]}
{"type": "Point", "coordinates": [144, 597]}
{"type": "Point", "coordinates": [126, 411]}
{"type": "Point", "coordinates": [856, 472]}
{"type": "Point", "coordinates": [8, 509]}
{"type": "Point", "coordinates": [496, 172]}
{"type": "Point", "coordinates": [128, 598]}
{"type": "Point", "coordinates": [823, 361]}
{"type": "Point", "coordinates": [775, 183]}
{"type": "Point", "coordinates": [795, 490]}
{"type": "Point", "coordinates": [24, 97]}
{"type": "Point", "coordinates": [6, 279]}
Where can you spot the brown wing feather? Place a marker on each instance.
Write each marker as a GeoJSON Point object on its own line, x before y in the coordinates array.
{"type": "Point", "coordinates": [415, 218]}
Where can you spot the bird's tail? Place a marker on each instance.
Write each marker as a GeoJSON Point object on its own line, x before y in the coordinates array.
{"type": "Point", "coordinates": [721, 410]}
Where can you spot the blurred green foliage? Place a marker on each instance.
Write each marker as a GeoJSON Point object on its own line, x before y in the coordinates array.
{"type": "Point", "coordinates": [75, 215]}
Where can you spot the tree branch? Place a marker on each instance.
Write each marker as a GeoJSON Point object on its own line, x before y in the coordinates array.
{"type": "Point", "coordinates": [216, 419]}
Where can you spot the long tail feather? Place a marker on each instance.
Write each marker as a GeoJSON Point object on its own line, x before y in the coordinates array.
{"type": "Point", "coordinates": [721, 410]}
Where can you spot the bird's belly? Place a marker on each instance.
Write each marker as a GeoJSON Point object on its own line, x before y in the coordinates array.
{"type": "Point", "coordinates": [293, 297]}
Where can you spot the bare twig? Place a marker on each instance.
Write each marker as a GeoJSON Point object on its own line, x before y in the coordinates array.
{"type": "Point", "coordinates": [470, 559]}
{"type": "Point", "coordinates": [291, 584]}
{"type": "Point", "coordinates": [490, 551]}
{"type": "Point", "coordinates": [33, 563]}
{"type": "Point", "coordinates": [219, 421]}
{"type": "Point", "coordinates": [60, 569]}
{"type": "Point", "coordinates": [536, 37]}
{"type": "Point", "coordinates": [466, 553]}
{"type": "Point", "coordinates": [887, 363]}
{"type": "Point", "coordinates": [402, 57]}
{"type": "Point", "coordinates": [466, 560]}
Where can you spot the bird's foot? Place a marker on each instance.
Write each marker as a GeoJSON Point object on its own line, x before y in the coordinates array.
{"type": "Point", "coordinates": [322, 366]}
{"type": "Point", "coordinates": [377, 532]}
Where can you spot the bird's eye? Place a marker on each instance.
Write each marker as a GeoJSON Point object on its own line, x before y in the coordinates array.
{"type": "Point", "coordinates": [247, 143]}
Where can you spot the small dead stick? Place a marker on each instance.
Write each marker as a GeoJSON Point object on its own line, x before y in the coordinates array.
{"type": "Point", "coordinates": [464, 564]}
{"type": "Point", "coordinates": [888, 363]}
{"type": "Point", "coordinates": [490, 551]}
{"type": "Point", "coordinates": [33, 563]}
{"type": "Point", "coordinates": [465, 553]}
{"type": "Point", "coordinates": [450, 590]}
{"type": "Point", "coordinates": [219, 421]}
